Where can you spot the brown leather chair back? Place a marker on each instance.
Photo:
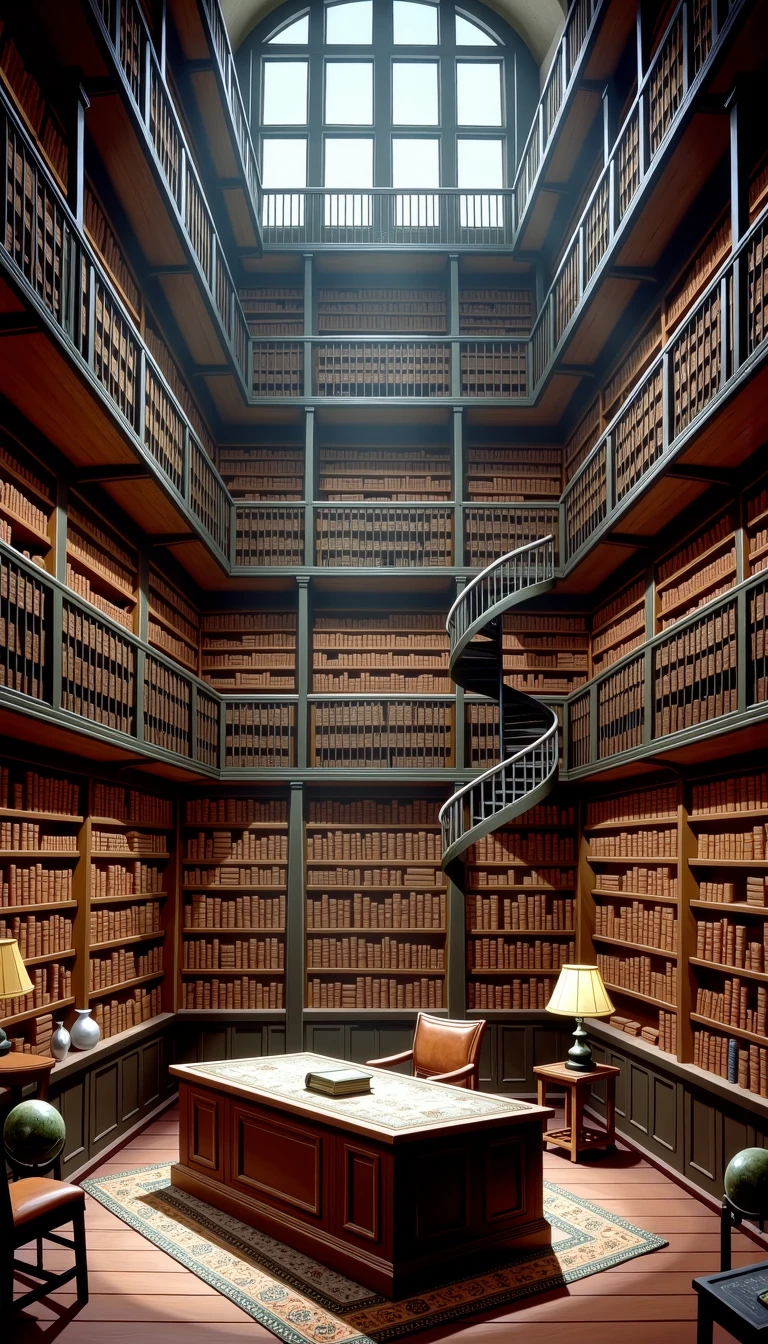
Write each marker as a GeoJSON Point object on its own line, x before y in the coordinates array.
{"type": "Point", "coordinates": [441, 1045]}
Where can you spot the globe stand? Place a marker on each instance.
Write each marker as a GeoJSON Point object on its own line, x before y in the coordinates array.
{"type": "Point", "coordinates": [730, 1217]}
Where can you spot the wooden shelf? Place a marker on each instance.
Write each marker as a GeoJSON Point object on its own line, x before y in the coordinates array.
{"type": "Point", "coordinates": [135, 896]}
{"type": "Point", "coordinates": [186, 932]}
{"type": "Point", "coordinates": [691, 566]}
{"type": "Point", "coordinates": [700, 818]}
{"type": "Point", "coordinates": [645, 824]}
{"type": "Point", "coordinates": [29, 532]}
{"type": "Point", "coordinates": [127, 940]}
{"type": "Point", "coordinates": [726, 1029]}
{"type": "Point", "coordinates": [517, 933]}
{"type": "Point", "coordinates": [621, 615]}
{"type": "Point", "coordinates": [435, 933]}
{"type": "Point", "coordinates": [218, 886]}
{"type": "Point", "coordinates": [634, 947]}
{"type": "Point", "coordinates": [50, 956]}
{"type": "Point", "coordinates": [54, 1007]}
{"type": "Point", "coordinates": [361, 889]}
{"type": "Point", "coordinates": [134, 826]}
{"type": "Point", "coordinates": [636, 896]}
{"type": "Point", "coordinates": [738, 907]}
{"type": "Point", "coordinates": [97, 575]}
{"type": "Point", "coordinates": [245, 970]}
{"type": "Point", "coordinates": [531, 889]}
{"type": "Point", "coordinates": [129, 855]}
{"type": "Point", "coordinates": [66, 854]}
{"type": "Point", "coordinates": [630, 858]}
{"type": "Point", "coordinates": [685, 602]}
{"type": "Point", "coordinates": [519, 863]}
{"type": "Point", "coordinates": [232, 826]}
{"type": "Point", "coordinates": [236, 863]}
{"type": "Point", "coordinates": [125, 984]}
{"type": "Point", "coordinates": [729, 970]}
{"type": "Point", "coordinates": [372, 825]}
{"type": "Point", "coordinates": [728, 863]}
{"type": "Point", "coordinates": [26, 814]}
{"type": "Point", "coordinates": [373, 970]}
{"type": "Point", "coordinates": [506, 970]}
{"type": "Point", "coordinates": [643, 998]}
{"type": "Point", "coordinates": [42, 907]}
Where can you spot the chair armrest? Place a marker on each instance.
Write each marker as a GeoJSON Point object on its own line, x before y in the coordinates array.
{"type": "Point", "coordinates": [390, 1060]}
{"type": "Point", "coordinates": [455, 1075]}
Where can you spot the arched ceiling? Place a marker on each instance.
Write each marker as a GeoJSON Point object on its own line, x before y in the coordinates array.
{"type": "Point", "coordinates": [539, 22]}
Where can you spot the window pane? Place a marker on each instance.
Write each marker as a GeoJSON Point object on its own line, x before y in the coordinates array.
{"type": "Point", "coordinates": [415, 24]}
{"type": "Point", "coordinates": [284, 163]}
{"type": "Point", "coordinates": [469, 35]}
{"type": "Point", "coordinates": [294, 34]}
{"type": "Point", "coordinates": [349, 93]}
{"type": "Point", "coordinates": [478, 94]}
{"type": "Point", "coordinates": [415, 163]}
{"type": "Point", "coordinates": [348, 163]}
{"type": "Point", "coordinates": [480, 164]}
{"type": "Point", "coordinates": [414, 93]}
{"type": "Point", "coordinates": [285, 93]}
{"type": "Point", "coordinates": [350, 24]}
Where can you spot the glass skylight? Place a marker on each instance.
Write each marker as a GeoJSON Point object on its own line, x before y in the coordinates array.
{"type": "Point", "coordinates": [478, 93]}
{"type": "Point", "coordinates": [469, 35]}
{"type": "Point", "coordinates": [349, 93]}
{"type": "Point", "coordinates": [349, 24]}
{"type": "Point", "coordinates": [295, 34]}
{"type": "Point", "coordinates": [414, 93]}
{"type": "Point", "coordinates": [285, 93]}
{"type": "Point", "coordinates": [415, 24]}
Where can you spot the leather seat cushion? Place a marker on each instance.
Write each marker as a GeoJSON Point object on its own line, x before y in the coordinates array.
{"type": "Point", "coordinates": [40, 1197]}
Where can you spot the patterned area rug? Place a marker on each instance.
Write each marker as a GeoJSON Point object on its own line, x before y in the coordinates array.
{"type": "Point", "coordinates": [302, 1302]}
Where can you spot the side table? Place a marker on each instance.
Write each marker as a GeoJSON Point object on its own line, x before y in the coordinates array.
{"type": "Point", "coordinates": [18, 1070]}
{"type": "Point", "coordinates": [730, 1299]}
{"type": "Point", "coordinates": [575, 1137]}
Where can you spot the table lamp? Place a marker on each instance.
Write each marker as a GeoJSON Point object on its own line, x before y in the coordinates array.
{"type": "Point", "coordinates": [580, 993]}
{"type": "Point", "coordinates": [13, 980]}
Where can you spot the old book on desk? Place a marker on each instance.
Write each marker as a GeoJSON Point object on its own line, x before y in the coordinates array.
{"type": "Point", "coordinates": [339, 1082]}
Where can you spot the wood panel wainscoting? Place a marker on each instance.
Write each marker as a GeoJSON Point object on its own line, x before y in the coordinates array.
{"type": "Point", "coordinates": [400, 1190]}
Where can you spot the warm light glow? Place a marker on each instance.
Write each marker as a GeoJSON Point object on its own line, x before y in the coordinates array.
{"type": "Point", "coordinates": [13, 973]}
{"type": "Point", "coordinates": [580, 992]}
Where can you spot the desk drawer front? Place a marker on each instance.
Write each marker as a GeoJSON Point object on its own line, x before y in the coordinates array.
{"type": "Point", "coordinates": [277, 1162]}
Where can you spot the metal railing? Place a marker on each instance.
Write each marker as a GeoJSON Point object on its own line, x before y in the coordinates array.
{"type": "Point", "coordinates": [387, 217]}
{"type": "Point", "coordinates": [223, 51]}
{"type": "Point", "coordinates": [507, 581]}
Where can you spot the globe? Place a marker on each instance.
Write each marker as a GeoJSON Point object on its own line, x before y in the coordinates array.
{"type": "Point", "coordinates": [34, 1133]}
{"type": "Point", "coordinates": [746, 1182]}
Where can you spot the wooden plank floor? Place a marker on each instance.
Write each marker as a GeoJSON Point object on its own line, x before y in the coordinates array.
{"type": "Point", "coordinates": [140, 1294]}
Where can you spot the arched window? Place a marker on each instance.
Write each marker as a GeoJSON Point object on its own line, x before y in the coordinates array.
{"type": "Point", "coordinates": [416, 95]}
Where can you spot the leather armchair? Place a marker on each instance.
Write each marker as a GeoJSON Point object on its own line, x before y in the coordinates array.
{"type": "Point", "coordinates": [443, 1051]}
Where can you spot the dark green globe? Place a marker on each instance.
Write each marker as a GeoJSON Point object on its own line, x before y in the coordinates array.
{"type": "Point", "coordinates": [34, 1133]}
{"type": "Point", "coordinates": [746, 1181]}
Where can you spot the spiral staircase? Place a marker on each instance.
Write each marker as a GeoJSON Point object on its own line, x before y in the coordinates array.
{"type": "Point", "coordinates": [528, 729]}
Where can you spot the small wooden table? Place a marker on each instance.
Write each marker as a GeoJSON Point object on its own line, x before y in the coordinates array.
{"type": "Point", "coordinates": [575, 1137]}
{"type": "Point", "coordinates": [18, 1070]}
{"type": "Point", "coordinates": [730, 1299]}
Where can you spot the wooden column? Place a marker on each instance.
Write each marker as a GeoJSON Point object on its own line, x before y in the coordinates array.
{"type": "Point", "coordinates": [294, 924]}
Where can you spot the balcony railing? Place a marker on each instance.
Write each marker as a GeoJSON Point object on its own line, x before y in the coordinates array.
{"type": "Point", "coordinates": [708, 666]}
{"type": "Point", "coordinates": [126, 31]}
{"type": "Point", "coordinates": [223, 51]}
{"type": "Point", "coordinates": [51, 256]}
{"type": "Point", "coordinates": [381, 368]}
{"type": "Point", "coordinates": [385, 217]}
{"type": "Point", "coordinates": [725, 329]}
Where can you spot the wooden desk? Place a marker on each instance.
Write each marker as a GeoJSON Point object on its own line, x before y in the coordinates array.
{"type": "Point", "coordinates": [18, 1070]}
{"type": "Point", "coordinates": [576, 1137]}
{"type": "Point", "coordinates": [399, 1190]}
{"type": "Point", "coordinates": [730, 1300]}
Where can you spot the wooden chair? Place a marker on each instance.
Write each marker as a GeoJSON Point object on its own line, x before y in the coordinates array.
{"type": "Point", "coordinates": [443, 1051]}
{"type": "Point", "coordinates": [30, 1208]}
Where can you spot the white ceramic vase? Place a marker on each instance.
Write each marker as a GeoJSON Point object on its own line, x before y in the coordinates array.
{"type": "Point", "coordinates": [61, 1041]}
{"type": "Point", "coordinates": [85, 1032]}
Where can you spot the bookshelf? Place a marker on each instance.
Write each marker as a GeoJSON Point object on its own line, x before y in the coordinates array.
{"type": "Point", "coordinates": [630, 879]}
{"type": "Point", "coordinates": [397, 473]}
{"type": "Point", "coordinates": [41, 823]}
{"type": "Point", "coordinates": [130, 840]}
{"type": "Point", "coordinates": [234, 889]}
{"type": "Point", "coordinates": [376, 905]}
{"type": "Point", "coordinates": [101, 567]}
{"type": "Point", "coordinates": [399, 652]}
{"type": "Point", "coordinates": [160, 351]}
{"type": "Point", "coordinates": [249, 650]}
{"type": "Point", "coordinates": [757, 527]}
{"type": "Point", "coordinates": [373, 311]}
{"type": "Point", "coordinates": [263, 472]}
{"type": "Point", "coordinates": [696, 573]}
{"type": "Point", "coordinates": [27, 502]}
{"type": "Point", "coordinates": [503, 474]}
{"type": "Point", "coordinates": [618, 627]}
{"type": "Point", "coordinates": [521, 909]}
{"type": "Point", "coordinates": [173, 623]}
{"type": "Point", "coordinates": [105, 242]}
{"type": "Point", "coordinates": [582, 440]}
{"type": "Point", "coordinates": [274, 310]}
{"type": "Point", "coordinates": [496, 312]}
{"type": "Point", "coordinates": [35, 107]}
{"type": "Point", "coordinates": [545, 654]}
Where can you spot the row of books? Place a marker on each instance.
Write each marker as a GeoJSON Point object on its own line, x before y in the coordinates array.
{"type": "Point", "coordinates": [417, 910]}
{"type": "Point", "coordinates": [386, 953]}
{"type": "Point", "coordinates": [28, 94]}
{"type": "Point", "coordinates": [394, 812]}
{"type": "Point", "coordinates": [128, 842]}
{"type": "Point", "coordinates": [81, 584]}
{"type": "Point", "coordinates": [178, 385]}
{"type": "Point", "coordinates": [374, 991]}
{"type": "Point", "coordinates": [748, 844]}
{"type": "Point", "coordinates": [131, 805]}
{"type": "Point", "coordinates": [525, 846]}
{"type": "Point", "coordinates": [90, 543]}
{"type": "Point", "coordinates": [235, 877]}
{"type": "Point", "coordinates": [638, 974]}
{"type": "Point", "coordinates": [50, 984]}
{"type": "Point", "coordinates": [226, 845]}
{"type": "Point", "coordinates": [103, 238]}
{"type": "Point", "coordinates": [515, 877]}
{"type": "Point", "coordinates": [38, 935]}
{"type": "Point", "coordinates": [37, 1039]}
{"type": "Point", "coordinates": [415, 683]}
{"type": "Point", "coordinates": [121, 1014]}
{"type": "Point", "coordinates": [29, 835]}
{"type": "Point", "coordinates": [702, 542]}
{"type": "Point", "coordinates": [124, 964]}
{"type": "Point", "coordinates": [242, 954]}
{"type": "Point", "coordinates": [501, 954]}
{"type": "Point", "coordinates": [726, 943]}
{"type": "Point", "coordinates": [34, 884]}
{"type": "Point", "coordinates": [248, 992]}
{"type": "Point", "coordinates": [125, 879]}
{"type": "Point", "coordinates": [125, 921]}
{"type": "Point", "coordinates": [161, 638]}
{"type": "Point", "coordinates": [664, 1036]}
{"type": "Point", "coordinates": [735, 1005]}
{"type": "Point", "coordinates": [738, 1063]}
{"type": "Point", "coordinates": [657, 881]}
{"type": "Point", "coordinates": [429, 879]}
{"type": "Point", "coordinates": [167, 601]}
{"type": "Point", "coordinates": [204, 911]}
{"type": "Point", "coordinates": [372, 844]}
{"type": "Point", "coordinates": [518, 913]}
{"type": "Point", "coordinates": [234, 811]}
{"type": "Point", "coordinates": [39, 793]}
{"type": "Point", "coordinates": [383, 538]}
{"type": "Point", "coordinates": [513, 994]}
{"type": "Point", "coordinates": [653, 842]}
{"type": "Point", "coordinates": [17, 502]}
{"type": "Point", "coordinates": [652, 926]}
{"type": "Point", "coordinates": [605, 617]}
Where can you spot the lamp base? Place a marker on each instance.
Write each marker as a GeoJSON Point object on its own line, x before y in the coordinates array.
{"type": "Point", "coordinates": [5, 1044]}
{"type": "Point", "coordinates": [579, 1057]}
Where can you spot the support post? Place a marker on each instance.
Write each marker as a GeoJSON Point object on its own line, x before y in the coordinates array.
{"type": "Point", "coordinates": [458, 487]}
{"type": "Point", "coordinates": [309, 487]}
{"type": "Point", "coordinates": [294, 924]}
{"type": "Point", "coordinates": [302, 669]}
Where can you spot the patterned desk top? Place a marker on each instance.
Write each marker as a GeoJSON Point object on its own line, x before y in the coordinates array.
{"type": "Point", "coordinates": [395, 1105]}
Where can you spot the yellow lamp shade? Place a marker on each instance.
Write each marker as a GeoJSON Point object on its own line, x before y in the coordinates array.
{"type": "Point", "coordinates": [580, 992]}
{"type": "Point", "coordinates": [13, 973]}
